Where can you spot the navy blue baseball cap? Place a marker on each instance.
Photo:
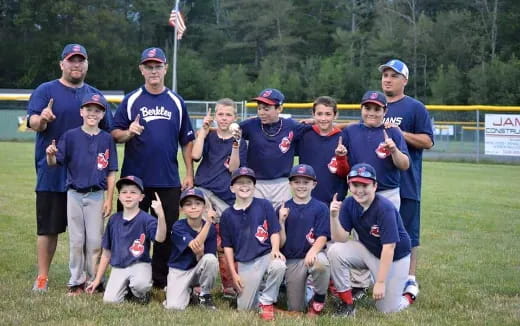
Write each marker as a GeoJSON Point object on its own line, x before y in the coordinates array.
{"type": "Point", "coordinates": [396, 65]}
{"type": "Point", "coordinates": [374, 97]}
{"type": "Point", "coordinates": [73, 49]}
{"type": "Point", "coordinates": [94, 98]}
{"type": "Point", "coordinates": [130, 180]}
{"type": "Point", "coordinates": [302, 170]}
{"type": "Point", "coordinates": [270, 96]}
{"type": "Point", "coordinates": [243, 172]}
{"type": "Point", "coordinates": [153, 54]}
{"type": "Point", "coordinates": [363, 173]}
{"type": "Point", "coordinates": [192, 192]}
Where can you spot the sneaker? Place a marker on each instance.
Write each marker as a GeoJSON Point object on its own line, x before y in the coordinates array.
{"type": "Point", "coordinates": [359, 293]}
{"type": "Point", "coordinates": [41, 284]}
{"type": "Point", "coordinates": [315, 308]}
{"type": "Point", "coordinates": [144, 300]}
{"type": "Point", "coordinates": [412, 288]}
{"type": "Point", "coordinates": [229, 293]}
{"type": "Point", "coordinates": [76, 290]}
{"type": "Point", "coordinates": [205, 301]}
{"type": "Point", "coordinates": [345, 310]}
{"type": "Point", "coordinates": [267, 312]}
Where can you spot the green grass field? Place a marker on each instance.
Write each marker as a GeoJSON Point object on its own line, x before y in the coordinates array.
{"type": "Point", "coordinates": [469, 268]}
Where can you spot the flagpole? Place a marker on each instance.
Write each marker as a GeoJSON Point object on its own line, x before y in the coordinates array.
{"type": "Point", "coordinates": [174, 61]}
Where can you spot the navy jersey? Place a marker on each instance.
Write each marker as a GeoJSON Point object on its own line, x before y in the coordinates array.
{"type": "Point", "coordinates": [129, 241]}
{"type": "Point", "coordinates": [411, 116]}
{"type": "Point", "coordinates": [213, 173]}
{"type": "Point", "coordinates": [88, 158]}
{"type": "Point", "coordinates": [182, 257]}
{"type": "Point", "coordinates": [361, 142]}
{"type": "Point", "coordinates": [318, 151]}
{"type": "Point", "coordinates": [249, 231]}
{"type": "Point", "coordinates": [67, 103]}
{"type": "Point", "coordinates": [380, 224]}
{"type": "Point", "coordinates": [152, 156]}
{"type": "Point", "coordinates": [271, 148]}
{"type": "Point", "coordinates": [303, 226]}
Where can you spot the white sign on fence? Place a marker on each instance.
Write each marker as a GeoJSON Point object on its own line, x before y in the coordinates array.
{"type": "Point", "coordinates": [502, 134]}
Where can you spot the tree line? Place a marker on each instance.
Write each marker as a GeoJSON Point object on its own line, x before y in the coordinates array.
{"type": "Point", "coordinates": [458, 51]}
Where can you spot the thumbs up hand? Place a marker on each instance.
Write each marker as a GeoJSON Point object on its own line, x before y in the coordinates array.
{"type": "Point", "coordinates": [52, 149]}
{"type": "Point", "coordinates": [135, 127]}
{"type": "Point", "coordinates": [47, 115]}
{"type": "Point", "coordinates": [283, 213]}
{"type": "Point", "coordinates": [335, 206]}
{"type": "Point", "coordinates": [341, 150]}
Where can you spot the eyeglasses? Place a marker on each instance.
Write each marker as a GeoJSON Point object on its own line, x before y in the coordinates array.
{"type": "Point", "coordinates": [153, 68]}
{"type": "Point", "coordinates": [361, 173]}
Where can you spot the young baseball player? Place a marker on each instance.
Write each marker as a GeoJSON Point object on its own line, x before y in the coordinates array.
{"type": "Point", "coordinates": [384, 149]}
{"type": "Point", "coordinates": [305, 229]}
{"type": "Point", "coordinates": [221, 153]}
{"type": "Point", "coordinates": [383, 246]}
{"type": "Point", "coordinates": [126, 245]}
{"type": "Point", "coordinates": [194, 247]}
{"type": "Point", "coordinates": [270, 149]}
{"type": "Point", "coordinates": [89, 155]}
{"type": "Point", "coordinates": [250, 236]}
{"type": "Point", "coordinates": [323, 139]}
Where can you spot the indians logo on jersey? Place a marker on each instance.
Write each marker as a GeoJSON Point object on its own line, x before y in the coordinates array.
{"type": "Point", "coordinates": [374, 231]}
{"type": "Point", "coordinates": [137, 248]}
{"type": "Point", "coordinates": [333, 165]}
{"type": "Point", "coordinates": [102, 160]}
{"type": "Point", "coordinates": [285, 144]}
{"type": "Point", "coordinates": [261, 232]}
{"type": "Point", "coordinates": [311, 238]}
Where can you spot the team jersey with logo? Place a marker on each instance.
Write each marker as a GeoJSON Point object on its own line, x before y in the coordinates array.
{"type": "Point", "coordinates": [129, 241]}
{"type": "Point", "coordinates": [88, 158]}
{"type": "Point", "coordinates": [319, 152]}
{"type": "Point", "coordinates": [362, 141]}
{"type": "Point", "coordinates": [303, 226]}
{"type": "Point", "coordinates": [67, 103]}
{"type": "Point", "coordinates": [213, 173]}
{"type": "Point", "coordinates": [271, 148]}
{"type": "Point", "coordinates": [249, 231]}
{"type": "Point", "coordinates": [380, 224]}
{"type": "Point", "coordinates": [411, 116]}
{"type": "Point", "coordinates": [152, 156]}
{"type": "Point", "coordinates": [182, 257]}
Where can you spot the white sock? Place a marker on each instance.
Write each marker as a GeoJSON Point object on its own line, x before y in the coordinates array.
{"type": "Point", "coordinates": [411, 277]}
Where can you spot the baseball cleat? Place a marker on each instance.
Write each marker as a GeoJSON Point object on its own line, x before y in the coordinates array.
{"type": "Point", "coordinates": [359, 293]}
{"type": "Point", "coordinates": [76, 290]}
{"type": "Point", "coordinates": [315, 308]}
{"type": "Point", "coordinates": [205, 301]}
{"type": "Point", "coordinates": [412, 288]}
{"type": "Point", "coordinates": [267, 312]}
{"type": "Point", "coordinates": [345, 310]}
{"type": "Point", "coordinates": [41, 284]}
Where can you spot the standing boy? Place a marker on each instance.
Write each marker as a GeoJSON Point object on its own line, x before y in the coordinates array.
{"type": "Point", "coordinates": [383, 246]}
{"type": "Point", "coordinates": [270, 149]}
{"type": "Point", "coordinates": [412, 118]}
{"type": "Point", "coordinates": [194, 247]}
{"type": "Point", "coordinates": [323, 139]}
{"type": "Point", "coordinates": [250, 236]}
{"type": "Point", "coordinates": [89, 155]}
{"type": "Point", "coordinates": [221, 154]}
{"type": "Point", "coordinates": [305, 229]}
{"type": "Point", "coordinates": [126, 245]}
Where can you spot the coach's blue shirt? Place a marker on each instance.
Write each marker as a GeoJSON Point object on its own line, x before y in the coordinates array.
{"type": "Point", "coordinates": [249, 231]}
{"type": "Point", "coordinates": [271, 147]}
{"type": "Point", "coordinates": [182, 257]}
{"type": "Point", "coordinates": [361, 142]}
{"type": "Point", "coordinates": [213, 171]}
{"type": "Point", "coordinates": [411, 116]}
{"type": "Point", "coordinates": [305, 224]}
{"type": "Point", "coordinates": [380, 224]}
{"type": "Point", "coordinates": [67, 103]}
{"type": "Point", "coordinates": [152, 156]}
{"type": "Point", "coordinates": [88, 158]}
{"type": "Point", "coordinates": [318, 151]}
{"type": "Point", "coordinates": [129, 241]}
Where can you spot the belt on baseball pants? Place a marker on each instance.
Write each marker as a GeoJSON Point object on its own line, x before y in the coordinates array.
{"type": "Point", "coordinates": [87, 189]}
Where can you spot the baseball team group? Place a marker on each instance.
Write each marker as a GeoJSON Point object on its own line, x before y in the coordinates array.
{"type": "Point", "coordinates": [344, 220]}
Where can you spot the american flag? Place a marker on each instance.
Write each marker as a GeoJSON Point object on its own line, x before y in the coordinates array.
{"type": "Point", "coordinates": [177, 19]}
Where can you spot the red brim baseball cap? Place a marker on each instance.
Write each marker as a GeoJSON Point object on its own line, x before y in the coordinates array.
{"type": "Point", "coordinates": [361, 180]}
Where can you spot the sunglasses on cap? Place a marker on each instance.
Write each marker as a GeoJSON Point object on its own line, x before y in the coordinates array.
{"type": "Point", "coordinates": [361, 173]}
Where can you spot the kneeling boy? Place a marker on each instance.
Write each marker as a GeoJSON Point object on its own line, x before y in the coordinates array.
{"type": "Point", "coordinates": [193, 260]}
{"type": "Point", "coordinates": [126, 245]}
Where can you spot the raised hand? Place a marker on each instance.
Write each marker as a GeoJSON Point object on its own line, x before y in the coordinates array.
{"type": "Point", "coordinates": [283, 213]}
{"type": "Point", "coordinates": [135, 127]}
{"type": "Point", "coordinates": [157, 205]}
{"type": "Point", "coordinates": [52, 149]}
{"type": "Point", "coordinates": [47, 114]}
{"type": "Point", "coordinates": [210, 215]}
{"type": "Point", "coordinates": [341, 150]}
{"type": "Point", "coordinates": [208, 120]}
{"type": "Point", "coordinates": [389, 143]}
{"type": "Point", "coordinates": [335, 206]}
